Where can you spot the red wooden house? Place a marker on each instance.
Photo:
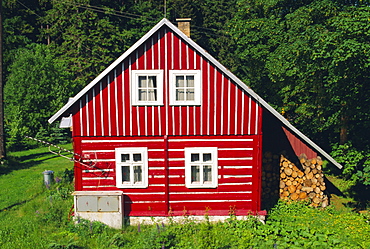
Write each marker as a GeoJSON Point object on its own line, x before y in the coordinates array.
{"type": "Point", "coordinates": [167, 130]}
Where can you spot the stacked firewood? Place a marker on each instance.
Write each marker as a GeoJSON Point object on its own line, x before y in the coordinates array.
{"type": "Point", "coordinates": [306, 183]}
{"type": "Point", "coordinates": [270, 177]}
{"type": "Point", "coordinates": [303, 180]}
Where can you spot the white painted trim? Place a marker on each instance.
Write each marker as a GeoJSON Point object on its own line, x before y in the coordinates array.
{"type": "Point", "coordinates": [155, 149]}
{"type": "Point", "coordinates": [235, 148]}
{"type": "Point", "coordinates": [189, 164]}
{"type": "Point", "coordinates": [143, 202]}
{"type": "Point", "coordinates": [97, 151]}
{"type": "Point", "coordinates": [123, 100]}
{"type": "Point", "coordinates": [175, 159]}
{"type": "Point", "coordinates": [101, 193]}
{"type": "Point", "coordinates": [156, 159]}
{"type": "Point", "coordinates": [234, 183]}
{"type": "Point", "coordinates": [237, 167]}
{"type": "Point", "coordinates": [97, 170]}
{"type": "Point", "coordinates": [236, 110]}
{"type": "Point", "coordinates": [121, 141]}
{"type": "Point", "coordinates": [209, 193]}
{"type": "Point", "coordinates": [158, 176]}
{"type": "Point", "coordinates": [144, 193]}
{"type": "Point", "coordinates": [94, 110]}
{"type": "Point", "coordinates": [237, 176]}
{"type": "Point", "coordinates": [87, 115]}
{"type": "Point", "coordinates": [176, 149]}
{"type": "Point", "coordinates": [174, 176]}
{"type": "Point", "coordinates": [236, 158]}
{"type": "Point", "coordinates": [100, 186]}
{"type": "Point", "coordinates": [97, 178]}
{"type": "Point", "coordinates": [109, 107]}
{"type": "Point", "coordinates": [156, 168]}
{"type": "Point", "coordinates": [135, 84]}
{"type": "Point", "coordinates": [80, 111]}
{"type": "Point", "coordinates": [206, 139]}
{"type": "Point", "coordinates": [101, 108]}
{"type": "Point", "coordinates": [98, 160]}
{"type": "Point", "coordinates": [144, 164]}
{"type": "Point", "coordinates": [210, 201]}
{"type": "Point", "coordinates": [197, 87]}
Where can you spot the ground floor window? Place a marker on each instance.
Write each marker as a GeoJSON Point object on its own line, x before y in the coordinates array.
{"type": "Point", "coordinates": [132, 167]}
{"type": "Point", "coordinates": [201, 167]}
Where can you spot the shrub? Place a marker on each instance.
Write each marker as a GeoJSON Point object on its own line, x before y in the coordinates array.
{"type": "Point", "coordinates": [356, 163]}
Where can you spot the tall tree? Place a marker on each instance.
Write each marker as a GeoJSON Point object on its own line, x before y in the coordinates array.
{"type": "Point", "coordinates": [92, 34]}
{"type": "Point", "coordinates": [2, 130]}
{"type": "Point", "coordinates": [37, 85]}
{"type": "Point", "coordinates": [309, 59]}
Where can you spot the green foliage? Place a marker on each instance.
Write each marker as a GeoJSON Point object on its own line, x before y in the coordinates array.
{"type": "Point", "coordinates": [39, 217]}
{"type": "Point", "coordinates": [36, 86]}
{"type": "Point", "coordinates": [356, 163]}
{"type": "Point", "coordinates": [310, 60]}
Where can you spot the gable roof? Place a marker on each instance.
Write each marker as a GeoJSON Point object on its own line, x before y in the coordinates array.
{"type": "Point", "coordinates": [165, 22]}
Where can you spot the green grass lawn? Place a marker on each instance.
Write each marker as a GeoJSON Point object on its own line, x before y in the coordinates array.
{"type": "Point", "coordinates": [23, 198]}
{"type": "Point", "coordinates": [34, 216]}
{"type": "Point", "coordinates": [25, 179]}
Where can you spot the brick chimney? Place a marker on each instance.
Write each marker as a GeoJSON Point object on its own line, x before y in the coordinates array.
{"type": "Point", "coordinates": [184, 25]}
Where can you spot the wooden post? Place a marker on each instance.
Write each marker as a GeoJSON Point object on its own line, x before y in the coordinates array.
{"type": "Point", "coordinates": [2, 135]}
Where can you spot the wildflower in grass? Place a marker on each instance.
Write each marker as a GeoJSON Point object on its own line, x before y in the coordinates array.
{"type": "Point", "coordinates": [58, 180]}
{"type": "Point", "coordinates": [138, 228]}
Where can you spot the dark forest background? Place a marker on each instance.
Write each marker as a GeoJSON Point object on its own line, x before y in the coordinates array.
{"type": "Point", "coordinates": [308, 58]}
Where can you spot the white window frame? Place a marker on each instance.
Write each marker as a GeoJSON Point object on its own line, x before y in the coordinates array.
{"type": "Point", "coordinates": [197, 87]}
{"type": "Point", "coordinates": [135, 87]}
{"type": "Point", "coordinates": [144, 163]}
{"type": "Point", "coordinates": [213, 163]}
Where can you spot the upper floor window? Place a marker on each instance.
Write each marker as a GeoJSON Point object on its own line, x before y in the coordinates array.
{"type": "Point", "coordinates": [185, 87]}
{"type": "Point", "coordinates": [147, 87]}
{"type": "Point", "coordinates": [132, 167]}
{"type": "Point", "coordinates": [201, 167]}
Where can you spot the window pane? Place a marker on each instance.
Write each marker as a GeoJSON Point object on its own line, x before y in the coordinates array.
{"type": "Point", "coordinates": [125, 174]}
{"type": "Point", "coordinates": [152, 81]}
{"type": "Point", "coordinates": [152, 94]}
{"type": "Point", "coordinates": [194, 157]}
{"type": "Point", "coordinates": [190, 80]}
{"type": "Point", "coordinates": [180, 94]}
{"type": "Point", "coordinates": [207, 173]}
{"type": "Point", "coordinates": [125, 157]}
{"type": "Point", "coordinates": [190, 94]}
{"type": "Point", "coordinates": [179, 81]}
{"type": "Point", "coordinates": [138, 174]}
{"type": "Point", "coordinates": [142, 81]}
{"type": "Point", "coordinates": [195, 176]}
{"type": "Point", "coordinates": [137, 157]}
{"type": "Point", "coordinates": [142, 95]}
{"type": "Point", "coordinates": [207, 157]}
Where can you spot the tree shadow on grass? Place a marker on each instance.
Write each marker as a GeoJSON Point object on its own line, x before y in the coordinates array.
{"type": "Point", "coordinates": [24, 162]}
{"type": "Point", "coordinates": [361, 195]}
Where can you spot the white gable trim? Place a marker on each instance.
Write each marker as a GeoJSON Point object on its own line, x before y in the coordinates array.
{"type": "Point", "coordinates": [200, 50]}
